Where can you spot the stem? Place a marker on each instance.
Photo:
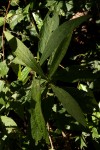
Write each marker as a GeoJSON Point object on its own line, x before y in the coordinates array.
{"type": "Point", "coordinates": [50, 139]}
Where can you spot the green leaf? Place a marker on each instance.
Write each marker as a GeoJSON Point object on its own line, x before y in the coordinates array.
{"type": "Point", "coordinates": [23, 53]}
{"type": "Point", "coordinates": [3, 69]}
{"type": "Point", "coordinates": [1, 21]}
{"type": "Point", "coordinates": [69, 5]}
{"type": "Point", "coordinates": [95, 133]}
{"type": "Point", "coordinates": [60, 53]}
{"type": "Point", "coordinates": [16, 61]}
{"type": "Point", "coordinates": [82, 142]}
{"type": "Point", "coordinates": [24, 74]}
{"type": "Point", "coordinates": [70, 104]}
{"type": "Point", "coordinates": [26, 9]}
{"type": "Point", "coordinates": [2, 102]}
{"type": "Point", "coordinates": [8, 122]}
{"type": "Point", "coordinates": [2, 93]}
{"type": "Point", "coordinates": [74, 73]}
{"type": "Point", "coordinates": [14, 2]}
{"type": "Point", "coordinates": [49, 25]}
{"type": "Point", "coordinates": [59, 35]}
{"type": "Point", "coordinates": [1, 85]}
{"type": "Point", "coordinates": [17, 18]}
{"type": "Point", "coordinates": [38, 126]}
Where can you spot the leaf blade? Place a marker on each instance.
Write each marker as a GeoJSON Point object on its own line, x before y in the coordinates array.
{"type": "Point", "coordinates": [49, 25]}
{"type": "Point", "coordinates": [59, 54]}
{"type": "Point", "coordinates": [59, 34]}
{"type": "Point", "coordinates": [70, 104]}
{"type": "Point", "coordinates": [23, 53]}
{"type": "Point", "coordinates": [37, 119]}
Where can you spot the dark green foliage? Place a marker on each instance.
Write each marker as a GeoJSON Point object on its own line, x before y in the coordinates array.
{"type": "Point", "coordinates": [49, 75]}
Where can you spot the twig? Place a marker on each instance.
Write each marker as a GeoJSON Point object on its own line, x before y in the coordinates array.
{"type": "Point", "coordinates": [61, 66]}
{"type": "Point", "coordinates": [63, 134]}
{"type": "Point", "coordinates": [4, 29]}
{"type": "Point", "coordinates": [66, 137]}
{"type": "Point", "coordinates": [50, 139]}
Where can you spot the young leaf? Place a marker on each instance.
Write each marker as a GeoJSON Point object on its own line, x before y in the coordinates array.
{"type": "Point", "coordinates": [38, 127]}
{"type": "Point", "coordinates": [1, 85]}
{"type": "Point", "coordinates": [1, 21]}
{"type": "Point", "coordinates": [23, 53]}
{"type": "Point", "coordinates": [8, 122]}
{"type": "Point", "coordinates": [70, 104]}
{"type": "Point", "coordinates": [14, 2]}
{"type": "Point", "coordinates": [3, 69]}
{"type": "Point", "coordinates": [24, 74]}
{"type": "Point", "coordinates": [60, 53]}
{"type": "Point", "coordinates": [49, 25]}
{"type": "Point", "coordinates": [59, 35]}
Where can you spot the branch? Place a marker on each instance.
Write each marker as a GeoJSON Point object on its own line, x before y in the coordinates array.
{"type": "Point", "coordinates": [50, 139]}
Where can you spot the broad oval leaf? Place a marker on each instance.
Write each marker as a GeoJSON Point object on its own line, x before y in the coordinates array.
{"type": "Point", "coordinates": [59, 35]}
{"type": "Point", "coordinates": [70, 104]}
{"type": "Point", "coordinates": [23, 53]}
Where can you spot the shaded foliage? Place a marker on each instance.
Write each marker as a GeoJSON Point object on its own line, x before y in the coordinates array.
{"type": "Point", "coordinates": [49, 74]}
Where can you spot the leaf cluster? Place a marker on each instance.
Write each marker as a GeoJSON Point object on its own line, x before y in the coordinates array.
{"type": "Point", "coordinates": [49, 75]}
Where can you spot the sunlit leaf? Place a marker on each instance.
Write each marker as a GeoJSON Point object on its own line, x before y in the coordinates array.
{"type": "Point", "coordinates": [83, 142]}
{"type": "Point", "coordinates": [3, 69]}
{"type": "Point", "coordinates": [1, 85]}
{"type": "Point", "coordinates": [1, 21]}
{"type": "Point", "coordinates": [24, 74]}
{"type": "Point", "coordinates": [59, 35]}
{"type": "Point", "coordinates": [23, 53]}
{"type": "Point", "coordinates": [2, 102]}
{"type": "Point", "coordinates": [17, 17]}
{"type": "Point", "coordinates": [95, 133]}
{"type": "Point", "coordinates": [14, 2]}
{"type": "Point", "coordinates": [8, 122]}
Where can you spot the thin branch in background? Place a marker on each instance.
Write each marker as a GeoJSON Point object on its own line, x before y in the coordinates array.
{"type": "Point", "coordinates": [61, 66]}
{"type": "Point", "coordinates": [50, 139]}
{"type": "Point", "coordinates": [63, 134]}
{"type": "Point", "coordinates": [66, 137]}
{"type": "Point", "coordinates": [4, 29]}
